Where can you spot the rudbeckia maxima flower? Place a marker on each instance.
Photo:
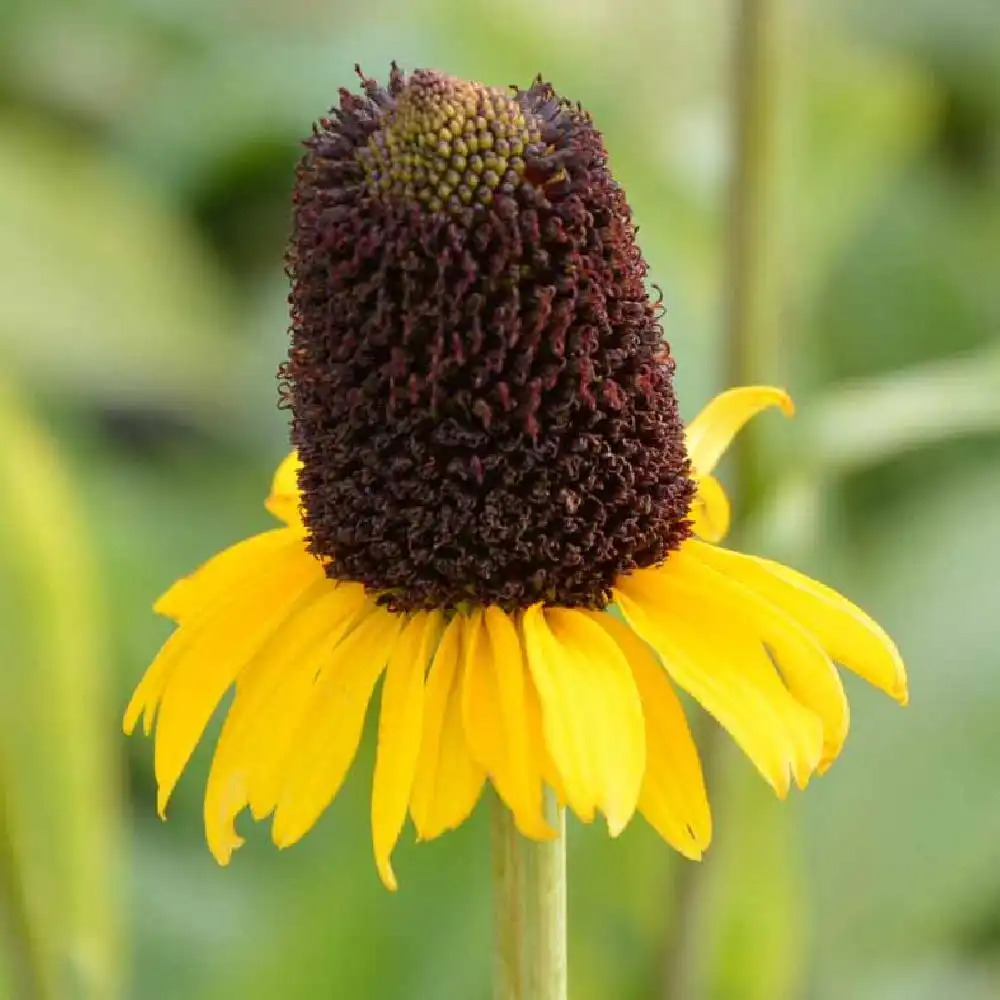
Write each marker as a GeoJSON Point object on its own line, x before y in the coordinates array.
{"type": "Point", "coordinates": [493, 508]}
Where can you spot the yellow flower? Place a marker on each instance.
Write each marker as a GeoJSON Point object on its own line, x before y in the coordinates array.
{"type": "Point", "coordinates": [494, 504]}
{"type": "Point", "coordinates": [577, 699]}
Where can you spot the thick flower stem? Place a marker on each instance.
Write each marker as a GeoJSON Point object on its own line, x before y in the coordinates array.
{"type": "Point", "coordinates": [508, 909]}
{"type": "Point", "coordinates": [529, 909]}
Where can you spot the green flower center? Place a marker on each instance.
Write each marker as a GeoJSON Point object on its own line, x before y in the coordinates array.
{"type": "Point", "coordinates": [449, 143]}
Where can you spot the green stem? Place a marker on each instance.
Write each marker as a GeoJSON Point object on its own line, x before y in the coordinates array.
{"type": "Point", "coordinates": [508, 910]}
{"type": "Point", "coordinates": [529, 909]}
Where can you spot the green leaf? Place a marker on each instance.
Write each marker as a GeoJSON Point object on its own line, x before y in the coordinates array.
{"type": "Point", "coordinates": [247, 95]}
{"type": "Point", "coordinates": [866, 115]}
{"type": "Point", "coordinates": [861, 423]}
{"type": "Point", "coordinates": [103, 290]}
{"type": "Point", "coordinates": [62, 816]}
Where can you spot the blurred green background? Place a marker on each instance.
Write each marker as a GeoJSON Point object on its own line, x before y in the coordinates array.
{"type": "Point", "coordinates": [146, 150]}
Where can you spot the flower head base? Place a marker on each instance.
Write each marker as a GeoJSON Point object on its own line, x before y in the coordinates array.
{"type": "Point", "coordinates": [481, 393]}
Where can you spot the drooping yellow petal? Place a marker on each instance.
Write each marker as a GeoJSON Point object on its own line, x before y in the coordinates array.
{"type": "Point", "coordinates": [146, 698]}
{"type": "Point", "coordinates": [271, 695]}
{"type": "Point", "coordinates": [808, 672]}
{"type": "Point", "coordinates": [739, 643]}
{"type": "Point", "coordinates": [197, 597]}
{"type": "Point", "coordinates": [849, 635]}
{"type": "Point", "coordinates": [710, 511]}
{"type": "Point", "coordinates": [742, 713]}
{"type": "Point", "coordinates": [327, 738]}
{"type": "Point", "coordinates": [591, 713]}
{"type": "Point", "coordinates": [494, 711]}
{"type": "Point", "coordinates": [673, 798]}
{"type": "Point", "coordinates": [448, 781]}
{"type": "Point", "coordinates": [399, 731]}
{"type": "Point", "coordinates": [223, 574]}
{"type": "Point", "coordinates": [287, 703]}
{"type": "Point", "coordinates": [283, 501]}
{"type": "Point", "coordinates": [726, 670]}
{"type": "Point", "coordinates": [710, 433]}
{"type": "Point", "coordinates": [536, 739]}
{"type": "Point", "coordinates": [208, 654]}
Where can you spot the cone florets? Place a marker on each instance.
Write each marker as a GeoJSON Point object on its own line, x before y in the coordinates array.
{"type": "Point", "coordinates": [448, 143]}
{"type": "Point", "coordinates": [481, 394]}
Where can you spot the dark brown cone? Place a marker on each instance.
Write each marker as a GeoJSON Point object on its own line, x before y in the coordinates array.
{"type": "Point", "coordinates": [481, 394]}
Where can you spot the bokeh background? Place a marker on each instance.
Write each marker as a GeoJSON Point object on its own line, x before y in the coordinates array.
{"type": "Point", "coordinates": [146, 150]}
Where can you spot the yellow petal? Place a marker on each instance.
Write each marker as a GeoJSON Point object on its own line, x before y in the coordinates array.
{"type": "Point", "coordinates": [723, 668]}
{"type": "Point", "coordinates": [850, 636]}
{"type": "Point", "coordinates": [146, 698]}
{"type": "Point", "coordinates": [808, 672]}
{"type": "Point", "coordinates": [591, 713]}
{"type": "Point", "coordinates": [271, 695]}
{"type": "Point", "coordinates": [284, 499]}
{"type": "Point", "coordinates": [208, 654]}
{"type": "Point", "coordinates": [710, 512]}
{"type": "Point", "coordinates": [494, 710]}
{"type": "Point", "coordinates": [536, 739]}
{"type": "Point", "coordinates": [710, 433]}
{"type": "Point", "coordinates": [399, 730]}
{"type": "Point", "coordinates": [673, 798]}
{"type": "Point", "coordinates": [287, 702]}
{"type": "Point", "coordinates": [448, 781]}
{"type": "Point", "coordinates": [223, 574]}
{"type": "Point", "coordinates": [327, 738]}
{"type": "Point", "coordinates": [552, 671]}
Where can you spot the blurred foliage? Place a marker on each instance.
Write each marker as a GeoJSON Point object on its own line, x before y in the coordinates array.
{"type": "Point", "coordinates": [146, 151]}
{"type": "Point", "coordinates": [59, 801]}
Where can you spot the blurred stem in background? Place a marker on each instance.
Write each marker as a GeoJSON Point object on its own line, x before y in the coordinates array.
{"type": "Point", "coordinates": [754, 341]}
{"type": "Point", "coordinates": [755, 351]}
{"type": "Point", "coordinates": [529, 908]}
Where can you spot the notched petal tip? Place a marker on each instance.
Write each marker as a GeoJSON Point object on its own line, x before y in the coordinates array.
{"type": "Point", "coordinates": [131, 716]}
{"type": "Point", "coordinates": [223, 851]}
{"type": "Point", "coordinates": [282, 836]}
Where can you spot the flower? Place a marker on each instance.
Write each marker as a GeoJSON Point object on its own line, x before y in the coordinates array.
{"type": "Point", "coordinates": [494, 507]}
